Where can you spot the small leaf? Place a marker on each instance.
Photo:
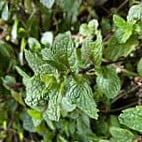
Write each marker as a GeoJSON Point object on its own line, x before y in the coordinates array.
{"type": "Point", "coordinates": [34, 114]}
{"type": "Point", "coordinates": [108, 82]}
{"type": "Point", "coordinates": [124, 30]}
{"type": "Point", "coordinates": [121, 135]}
{"type": "Point", "coordinates": [135, 13]}
{"type": "Point", "coordinates": [47, 3]}
{"type": "Point", "coordinates": [18, 97]}
{"type": "Point", "coordinates": [119, 21]}
{"type": "Point", "coordinates": [89, 29]}
{"type": "Point", "coordinates": [132, 118]}
{"type": "Point", "coordinates": [34, 44]}
{"type": "Point", "coordinates": [81, 95]}
{"type": "Point", "coordinates": [139, 67]}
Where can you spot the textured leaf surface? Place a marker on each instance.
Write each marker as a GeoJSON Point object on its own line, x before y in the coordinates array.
{"type": "Point", "coordinates": [139, 67]}
{"type": "Point", "coordinates": [81, 95]}
{"type": "Point", "coordinates": [132, 118]}
{"type": "Point", "coordinates": [63, 48]}
{"type": "Point", "coordinates": [35, 95]}
{"type": "Point", "coordinates": [121, 135]}
{"type": "Point", "coordinates": [36, 63]}
{"type": "Point", "coordinates": [91, 51]}
{"type": "Point", "coordinates": [89, 29]}
{"type": "Point", "coordinates": [108, 82]}
{"type": "Point", "coordinates": [63, 45]}
{"type": "Point", "coordinates": [135, 13]}
{"type": "Point", "coordinates": [53, 110]}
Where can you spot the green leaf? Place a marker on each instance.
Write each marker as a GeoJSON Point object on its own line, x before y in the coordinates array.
{"type": "Point", "coordinates": [25, 76]}
{"type": "Point", "coordinates": [91, 51]}
{"type": "Point", "coordinates": [18, 97]}
{"type": "Point", "coordinates": [135, 13]}
{"type": "Point", "coordinates": [63, 45]}
{"type": "Point", "coordinates": [119, 21]}
{"type": "Point", "coordinates": [34, 114]}
{"type": "Point", "coordinates": [6, 49]}
{"type": "Point", "coordinates": [81, 95]}
{"type": "Point", "coordinates": [53, 110]}
{"type": "Point", "coordinates": [132, 118]}
{"type": "Point", "coordinates": [63, 48]}
{"type": "Point", "coordinates": [66, 105]}
{"type": "Point", "coordinates": [47, 3]}
{"type": "Point", "coordinates": [27, 122]}
{"type": "Point", "coordinates": [36, 63]}
{"type": "Point", "coordinates": [36, 98]}
{"type": "Point", "coordinates": [108, 82]}
{"type": "Point", "coordinates": [124, 30]}
{"type": "Point", "coordinates": [121, 135]}
{"type": "Point", "coordinates": [116, 50]}
{"type": "Point", "coordinates": [89, 29]}
{"type": "Point", "coordinates": [139, 67]}
{"type": "Point", "coordinates": [34, 44]}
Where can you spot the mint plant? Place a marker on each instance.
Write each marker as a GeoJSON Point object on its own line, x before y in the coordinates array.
{"type": "Point", "coordinates": [81, 74]}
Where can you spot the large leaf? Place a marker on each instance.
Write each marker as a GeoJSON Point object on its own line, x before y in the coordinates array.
{"type": "Point", "coordinates": [63, 45]}
{"type": "Point", "coordinates": [108, 82]}
{"type": "Point", "coordinates": [35, 96]}
{"type": "Point", "coordinates": [116, 49]}
{"type": "Point", "coordinates": [36, 63]}
{"type": "Point", "coordinates": [121, 135]}
{"type": "Point", "coordinates": [53, 110]}
{"type": "Point", "coordinates": [132, 118]}
{"type": "Point", "coordinates": [63, 48]}
{"type": "Point", "coordinates": [139, 67]}
{"type": "Point", "coordinates": [47, 3]}
{"type": "Point", "coordinates": [135, 13]}
{"type": "Point", "coordinates": [81, 95]}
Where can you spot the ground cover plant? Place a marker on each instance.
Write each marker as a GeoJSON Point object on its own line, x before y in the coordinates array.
{"type": "Point", "coordinates": [70, 71]}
